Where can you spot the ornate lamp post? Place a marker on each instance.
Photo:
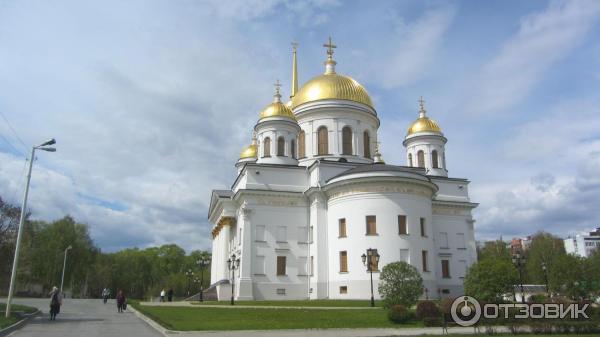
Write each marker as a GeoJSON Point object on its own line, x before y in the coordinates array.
{"type": "Point", "coordinates": [203, 262]}
{"type": "Point", "coordinates": [545, 269]}
{"type": "Point", "coordinates": [189, 273]}
{"type": "Point", "coordinates": [519, 261]}
{"type": "Point", "coordinates": [372, 255]}
{"type": "Point", "coordinates": [233, 263]}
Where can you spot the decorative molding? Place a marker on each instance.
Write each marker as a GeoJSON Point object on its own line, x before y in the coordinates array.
{"type": "Point", "coordinates": [224, 221]}
{"type": "Point", "coordinates": [380, 188]}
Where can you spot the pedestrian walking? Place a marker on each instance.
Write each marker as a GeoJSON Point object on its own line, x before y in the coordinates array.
{"type": "Point", "coordinates": [121, 301]}
{"type": "Point", "coordinates": [55, 303]}
{"type": "Point", "coordinates": [105, 294]}
{"type": "Point", "coordinates": [162, 295]}
{"type": "Point", "coordinates": [170, 295]}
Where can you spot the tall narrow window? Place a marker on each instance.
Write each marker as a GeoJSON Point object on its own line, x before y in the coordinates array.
{"type": "Point", "coordinates": [434, 159]}
{"type": "Point", "coordinates": [342, 227]}
{"type": "Point", "coordinates": [343, 261]}
{"type": "Point", "coordinates": [373, 260]}
{"type": "Point", "coordinates": [402, 224]}
{"type": "Point", "coordinates": [424, 260]}
{"type": "Point", "coordinates": [371, 225]}
{"type": "Point", "coordinates": [312, 265]}
{"type": "Point", "coordinates": [421, 158]}
{"type": "Point", "coordinates": [293, 148]}
{"type": "Point", "coordinates": [367, 144]}
{"type": "Point", "coordinates": [346, 140]}
{"type": "Point", "coordinates": [410, 160]}
{"type": "Point", "coordinates": [302, 144]}
{"type": "Point", "coordinates": [322, 141]}
{"type": "Point", "coordinates": [267, 147]}
{"type": "Point", "coordinates": [423, 232]}
{"type": "Point", "coordinates": [281, 146]}
{"type": "Point", "coordinates": [445, 269]}
{"type": "Point", "coordinates": [280, 265]}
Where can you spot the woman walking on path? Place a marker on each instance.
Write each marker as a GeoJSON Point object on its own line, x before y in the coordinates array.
{"type": "Point", "coordinates": [55, 303]}
{"type": "Point", "coordinates": [121, 300]}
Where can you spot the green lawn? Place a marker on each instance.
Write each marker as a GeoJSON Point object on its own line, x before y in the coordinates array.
{"type": "Point", "coordinates": [15, 310]}
{"type": "Point", "coordinates": [189, 319]}
{"type": "Point", "coordinates": [298, 303]}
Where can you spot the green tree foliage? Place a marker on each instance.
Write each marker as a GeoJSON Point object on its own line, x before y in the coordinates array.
{"type": "Point", "coordinates": [491, 278]}
{"type": "Point", "coordinates": [569, 277]}
{"type": "Point", "coordinates": [400, 283]}
{"type": "Point", "coordinates": [544, 248]}
{"type": "Point", "coordinates": [497, 249]}
{"type": "Point", "coordinates": [9, 223]}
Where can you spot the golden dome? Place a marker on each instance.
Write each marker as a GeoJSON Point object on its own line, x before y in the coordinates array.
{"type": "Point", "coordinates": [332, 86]}
{"type": "Point", "coordinates": [423, 123]}
{"type": "Point", "coordinates": [277, 108]}
{"type": "Point", "coordinates": [249, 151]}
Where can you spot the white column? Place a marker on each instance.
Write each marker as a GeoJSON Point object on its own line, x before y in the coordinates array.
{"type": "Point", "coordinates": [245, 272]}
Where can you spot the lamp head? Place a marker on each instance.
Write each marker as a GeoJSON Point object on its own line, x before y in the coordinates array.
{"type": "Point", "coordinates": [50, 141]}
{"type": "Point", "coordinates": [49, 149]}
{"type": "Point", "coordinates": [364, 258]}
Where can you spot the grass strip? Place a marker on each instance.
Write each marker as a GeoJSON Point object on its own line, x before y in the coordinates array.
{"type": "Point", "coordinates": [16, 310]}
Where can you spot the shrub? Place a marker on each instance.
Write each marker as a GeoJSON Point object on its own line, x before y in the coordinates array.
{"type": "Point", "coordinates": [427, 309]}
{"type": "Point", "coordinates": [398, 313]}
{"type": "Point", "coordinates": [400, 283]}
{"type": "Point", "coordinates": [432, 321]}
{"type": "Point", "coordinates": [538, 298]}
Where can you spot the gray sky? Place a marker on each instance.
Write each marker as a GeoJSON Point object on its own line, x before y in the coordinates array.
{"type": "Point", "coordinates": [151, 102]}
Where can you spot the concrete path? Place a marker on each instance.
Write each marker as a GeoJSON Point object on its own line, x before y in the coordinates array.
{"type": "Point", "coordinates": [84, 318]}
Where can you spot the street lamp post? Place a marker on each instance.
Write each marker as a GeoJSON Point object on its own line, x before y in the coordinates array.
{"type": "Point", "coordinates": [545, 269]}
{"type": "Point", "coordinates": [203, 262]}
{"type": "Point", "coordinates": [11, 289]}
{"type": "Point", "coordinates": [189, 273]}
{"type": "Point", "coordinates": [62, 279]}
{"type": "Point", "coordinates": [519, 262]}
{"type": "Point", "coordinates": [233, 263]}
{"type": "Point", "coordinates": [372, 255]}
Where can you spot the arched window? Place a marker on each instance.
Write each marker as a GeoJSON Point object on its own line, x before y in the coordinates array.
{"type": "Point", "coordinates": [293, 148]}
{"type": "Point", "coordinates": [434, 159]}
{"type": "Point", "coordinates": [267, 147]}
{"type": "Point", "coordinates": [367, 144]}
{"type": "Point", "coordinates": [322, 140]}
{"type": "Point", "coordinates": [301, 145]}
{"type": "Point", "coordinates": [346, 140]}
{"type": "Point", "coordinates": [281, 146]}
{"type": "Point", "coordinates": [421, 158]}
{"type": "Point", "coordinates": [410, 159]}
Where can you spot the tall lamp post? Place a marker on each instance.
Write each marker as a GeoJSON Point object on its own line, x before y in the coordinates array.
{"type": "Point", "coordinates": [11, 289]}
{"type": "Point", "coordinates": [189, 273]}
{"type": "Point", "coordinates": [519, 261]}
{"type": "Point", "coordinates": [62, 279]}
{"type": "Point", "coordinates": [545, 269]}
{"type": "Point", "coordinates": [233, 263]}
{"type": "Point", "coordinates": [372, 255]}
{"type": "Point", "coordinates": [203, 262]}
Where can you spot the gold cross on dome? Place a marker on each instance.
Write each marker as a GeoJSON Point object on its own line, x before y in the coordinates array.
{"type": "Point", "coordinates": [330, 47]}
{"type": "Point", "coordinates": [422, 104]}
{"type": "Point", "coordinates": [277, 86]}
{"type": "Point", "coordinates": [294, 45]}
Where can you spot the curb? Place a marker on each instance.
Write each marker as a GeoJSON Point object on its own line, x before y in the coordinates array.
{"type": "Point", "coordinates": [150, 322]}
{"type": "Point", "coordinates": [9, 329]}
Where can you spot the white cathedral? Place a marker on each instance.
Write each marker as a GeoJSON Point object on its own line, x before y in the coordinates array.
{"type": "Point", "coordinates": [313, 194]}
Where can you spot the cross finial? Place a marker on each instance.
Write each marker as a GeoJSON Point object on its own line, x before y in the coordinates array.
{"type": "Point", "coordinates": [277, 96]}
{"type": "Point", "coordinates": [421, 107]}
{"type": "Point", "coordinates": [294, 45]}
{"type": "Point", "coordinates": [329, 47]}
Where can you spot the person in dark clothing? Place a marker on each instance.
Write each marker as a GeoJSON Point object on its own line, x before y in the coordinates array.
{"type": "Point", "coordinates": [121, 301]}
{"type": "Point", "coordinates": [170, 295]}
{"type": "Point", "coordinates": [55, 303]}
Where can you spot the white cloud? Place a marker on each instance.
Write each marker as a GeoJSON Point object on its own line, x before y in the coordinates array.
{"type": "Point", "coordinates": [543, 39]}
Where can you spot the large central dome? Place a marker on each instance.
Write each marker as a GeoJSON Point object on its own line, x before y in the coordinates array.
{"type": "Point", "coordinates": [332, 86]}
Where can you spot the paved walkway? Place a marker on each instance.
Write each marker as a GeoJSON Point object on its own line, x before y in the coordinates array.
{"type": "Point", "coordinates": [84, 318]}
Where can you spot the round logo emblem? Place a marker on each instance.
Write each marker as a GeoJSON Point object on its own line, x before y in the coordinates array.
{"type": "Point", "coordinates": [465, 311]}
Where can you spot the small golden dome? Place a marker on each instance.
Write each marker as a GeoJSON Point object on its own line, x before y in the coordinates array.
{"type": "Point", "coordinates": [332, 86]}
{"type": "Point", "coordinates": [249, 151]}
{"type": "Point", "coordinates": [423, 123]}
{"type": "Point", "coordinates": [277, 108]}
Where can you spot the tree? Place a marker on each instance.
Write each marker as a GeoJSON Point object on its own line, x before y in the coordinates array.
{"type": "Point", "coordinates": [568, 277]}
{"type": "Point", "coordinates": [9, 223]}
{"type": "Point", "coordinates": [400, 283]}
{"type": "Point", "coordinates": [545, 248]}
{"type": "Point", "coordinates": [490, 279]}
{"type": "Point", "coordinates": [497, 249]}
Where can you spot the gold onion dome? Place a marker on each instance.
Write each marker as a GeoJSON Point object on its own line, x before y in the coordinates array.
{"type": "Point", "coordinates": [331, 85]}
{"type": "Point", "coordinates": [277, 108]}
{"type": "Point", "coordinates": [423, 123]}
{"type": "Point", "coordinates": [250, 151]}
